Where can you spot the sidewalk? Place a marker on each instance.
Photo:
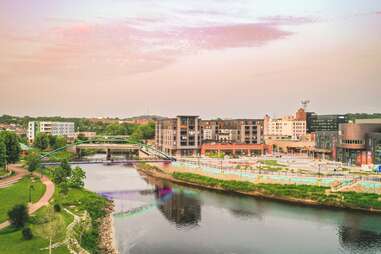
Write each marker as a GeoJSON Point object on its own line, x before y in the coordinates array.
{"type": "Point", "coordinates": [44, 200]}
{"type": "Point", "coordinates": [19, 174]}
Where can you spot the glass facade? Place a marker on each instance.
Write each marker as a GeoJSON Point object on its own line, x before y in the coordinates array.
{"type": "Point", "coordinates": [317, 122]}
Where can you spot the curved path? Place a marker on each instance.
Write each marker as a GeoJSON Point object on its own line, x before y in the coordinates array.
{"type": "Point", "coordinates": [44, 200]}
{"type": "Point", "coordinates": [20, 172]}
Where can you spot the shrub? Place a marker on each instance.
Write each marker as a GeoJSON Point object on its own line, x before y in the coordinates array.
{"type": "Point", "coordinates": [27, 234]}
{"type": "Point", "coordinates": [18, 215]}
{"type": "Point", "coordinates": [57, 208]}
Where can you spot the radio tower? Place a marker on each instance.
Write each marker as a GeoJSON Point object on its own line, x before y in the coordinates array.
{"type": "Point", "coordinates": [305, 104]}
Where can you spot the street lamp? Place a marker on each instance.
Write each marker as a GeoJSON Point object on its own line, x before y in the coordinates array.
{"type": "Point", "coordinates": [30, 192]}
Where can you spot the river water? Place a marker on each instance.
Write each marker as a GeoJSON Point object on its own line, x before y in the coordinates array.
{"type": "Point", "coordinates": [156, 217]}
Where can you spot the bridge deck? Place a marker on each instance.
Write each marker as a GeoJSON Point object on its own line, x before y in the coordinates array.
{"type": "Point", "coordinates": [109, 146]}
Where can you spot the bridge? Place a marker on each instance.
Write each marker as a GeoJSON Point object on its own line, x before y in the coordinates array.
{"type": "Point", "coordinates": [130, 150]}
{"type": "Point", "coordinates": [134, 151]}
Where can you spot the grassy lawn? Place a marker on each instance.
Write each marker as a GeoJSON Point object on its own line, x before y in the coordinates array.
{"type": "Point", "coordinates": [20, 246]}
{"type": "Point", "coordinates": [18, 193]}
{"type": "Point", "coordinates": [307, 192]}
{"type": "Point", "coordinates": [77, 201]}
{"type": "Point", "coordinates": [3, 172]}
{"type": "Point", "coordinates": [271, 163]}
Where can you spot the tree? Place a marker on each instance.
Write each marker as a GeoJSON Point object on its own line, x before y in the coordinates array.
{"type": "Point", "coordinates": [18, 215]}
{"type": "Point", "coordinates": [115, 129]}
{"type": "Point", "coordinates": [77, 178]}
{"type": "Point", "coordinates": [33, 161]}
{"type": "Point", "coordinates": [60, 141]}
{"type": "Point", "coordinates": [27, 234]}
{"type": "Point", "coordinates": [12, 145]}
{"type": "Point", "coordinates": [3, 155]}
{"type": "Point", "coordinates": [41, 141]}
{"type": "Point", "coordinates": [54, 228]}
{"type": "Point", "coordinates": [59, 175]}
{"type": "Point", "coordinates": [66, 168]}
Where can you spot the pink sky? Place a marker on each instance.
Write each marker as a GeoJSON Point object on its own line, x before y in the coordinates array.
{"type": "Point", "coordinates": [211, 58]}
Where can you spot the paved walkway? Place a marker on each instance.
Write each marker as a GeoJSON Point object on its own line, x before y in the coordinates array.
{"type": "Point", "coordinates": [44, 200]}
{"type": "Point", "coordinates": [20, 172]}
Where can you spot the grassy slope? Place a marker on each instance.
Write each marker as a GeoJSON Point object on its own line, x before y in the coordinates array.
{"type": "Point", "coordinates": [11, 241]}
{"type": "Point", "coordinates": [18, 193]}
{"type": "Point", "coordinates": [315, 193]}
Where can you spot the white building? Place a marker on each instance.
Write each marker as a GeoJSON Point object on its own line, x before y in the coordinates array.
{"type": "Point", "coordinates": [284, 128]}
{"type": "Point", "coordinates": [53, 128]}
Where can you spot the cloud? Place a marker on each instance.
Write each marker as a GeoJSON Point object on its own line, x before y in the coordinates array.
{"type": "Point", "coordinates": [288, 20]}
{"type": "Point", "coordinates": [136, 45]}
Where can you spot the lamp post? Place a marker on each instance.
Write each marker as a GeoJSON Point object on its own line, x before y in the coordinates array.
{"type": "Point", "coordinates": [30, 192]}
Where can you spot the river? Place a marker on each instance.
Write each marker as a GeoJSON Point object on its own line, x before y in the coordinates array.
{"type": "Point", "coordinates": [156, 217]}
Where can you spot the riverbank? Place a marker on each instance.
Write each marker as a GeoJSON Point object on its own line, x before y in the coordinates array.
{"type": "Point", "coordinates": [298, 194]}
{"type": "Point", "coordinates": [107, 232]}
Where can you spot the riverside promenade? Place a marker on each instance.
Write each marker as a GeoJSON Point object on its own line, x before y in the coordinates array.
{"type": "Point", "coordinates": [44, 200]}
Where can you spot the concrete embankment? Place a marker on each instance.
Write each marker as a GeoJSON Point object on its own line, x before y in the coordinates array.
{"type": "Point", "coordinates": [161, 174]}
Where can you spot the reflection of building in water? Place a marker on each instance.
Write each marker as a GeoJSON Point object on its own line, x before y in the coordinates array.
{"type": "Point", "coordinates": [355, 239]}
{"type": "Point", "coordinates": [179, 207]}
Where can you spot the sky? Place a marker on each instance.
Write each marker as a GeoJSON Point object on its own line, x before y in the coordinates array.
{"type": "Point", "coordinates": [213, 58]}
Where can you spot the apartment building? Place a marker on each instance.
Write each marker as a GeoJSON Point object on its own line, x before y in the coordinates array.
{"type": "Point", "coordinates": [53, 128]}
{"type": "Point", "coordinates": [286, 128]}
{"type": "Point", "coordinates": [180, 136]}
{"type": "Point", "coordinates": [237, 131]}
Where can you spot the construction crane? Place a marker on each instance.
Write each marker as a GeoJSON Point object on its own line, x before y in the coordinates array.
{"type": "Point", "coordinates": [305, 104]}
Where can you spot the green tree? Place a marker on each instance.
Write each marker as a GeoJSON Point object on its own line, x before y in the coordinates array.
{"type": "Point", "coordinates": [116, 129]}
{"type": "Point", "coordinates": [66, 168]}
{"type": "Point", "coordinates": [77, 178]}
{"type": "Point", "coordinates": [3, 155]}
{"type": "Point", "coordinates": [41, 141]}
{"type": "Point", "coordinates": [60, 142]}
{"type": "Point", "coordinates": [33, 160]}
{"type": "Point", "coordinates": [12, 145]}
{"type": "Point", "coordinates": [18, 215]}
{"type": "Point", "coordinates": [59, 175]}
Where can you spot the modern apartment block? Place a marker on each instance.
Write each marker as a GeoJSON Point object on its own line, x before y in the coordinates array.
{"type": "Point", "coordinates": [285, 128]}
{"type": "Point", "coordinates": [53, 128]}
{"type": "Point", "coordinates": [180, 136]}
{"type": "Point", "coordinates": [184, 135]}
{"type": "Point", "coordinates": [237, 131]}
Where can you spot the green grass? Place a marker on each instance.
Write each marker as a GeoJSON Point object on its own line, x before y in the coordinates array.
{"type": "Point", "coordinates": [18, 193]}
{"type": "Point", "coordinates": [62, 155]}
{"type": "Point", "coordinates": [20, 246]}
{"type": "Point", "coordinates": [3, 172]}
{"type": "Point", "coordinates": [79, 200]}
{"type": "Point", "coordinates": [305, 192]}
{"type": "Point", "coordinates": [271, 163]}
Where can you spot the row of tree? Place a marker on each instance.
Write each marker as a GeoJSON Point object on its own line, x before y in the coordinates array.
{"type": "Point", "coordinates": [9, 148]}
{"type": "Point", "coordinates": [45, 141]}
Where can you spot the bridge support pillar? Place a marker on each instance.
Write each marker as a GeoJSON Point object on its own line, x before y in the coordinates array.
{"type": "Point", "coordinates": [108, 154]}
{"type": "Point", "coordinates": [78, 153]}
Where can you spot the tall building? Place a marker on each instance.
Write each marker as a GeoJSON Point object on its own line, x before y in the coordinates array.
{"type": "Point", "coordinates": [286, 128]}
{"type": "Point", "coordinates": [180, 136]}
{"type": "Point", "coordinates": [52, 128]}
{"type": "Point", "coordinates": [317, 122]}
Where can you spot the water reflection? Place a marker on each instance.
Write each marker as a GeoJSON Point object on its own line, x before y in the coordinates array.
{"type": "Point", "coordinates": [178, 207]}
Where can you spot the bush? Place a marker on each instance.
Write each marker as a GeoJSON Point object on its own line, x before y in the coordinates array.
{"type": "Point", "coordinates": [57, 208]}
{"type": "Point", "coordinates": [27, 234]}
{"type": "Point", "coordinates": [18, 215]}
